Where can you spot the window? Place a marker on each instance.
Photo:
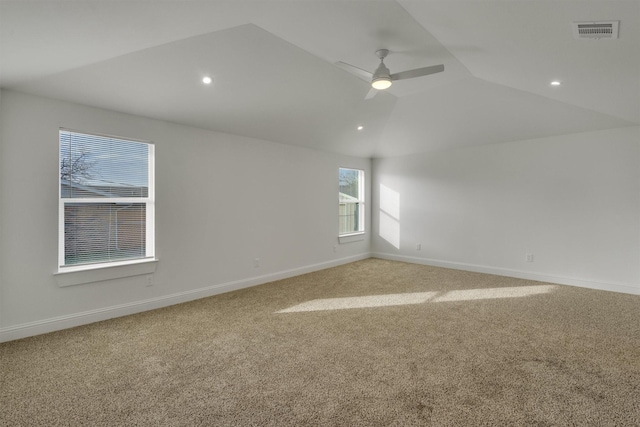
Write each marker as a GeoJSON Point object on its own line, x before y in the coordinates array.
{"type": "Point", "coordinates": [106, 201]}
{"type": "Point", "coordinates": [351, 201]}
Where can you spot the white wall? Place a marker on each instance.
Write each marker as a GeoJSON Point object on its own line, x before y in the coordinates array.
{"type": "Point", "coordinates": [572, 201]}
{"type": "Point", "coordinates": [221, 201]}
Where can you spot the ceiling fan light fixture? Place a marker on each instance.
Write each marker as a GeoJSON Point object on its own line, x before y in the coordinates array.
{"type": "Point", "coordinates": [382, 76]}
{"type": "Point", "coordinates": [381, 83]}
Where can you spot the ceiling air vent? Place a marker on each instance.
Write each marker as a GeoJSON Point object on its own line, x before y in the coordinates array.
{"type": "Point", "coordinates": [595, 30]}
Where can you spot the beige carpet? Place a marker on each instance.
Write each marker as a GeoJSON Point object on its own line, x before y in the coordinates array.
{"type": "Point", "coordinates": [456, 350]}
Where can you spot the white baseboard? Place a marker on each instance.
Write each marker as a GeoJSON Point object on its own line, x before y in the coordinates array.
{"type": "Point", "coordinates": [83, 318]}
{"type": "Point", "coordinates": [614, 287]}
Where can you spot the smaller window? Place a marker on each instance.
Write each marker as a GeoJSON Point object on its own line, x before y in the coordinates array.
{"type": "Point", "coordinates": [351, 201]}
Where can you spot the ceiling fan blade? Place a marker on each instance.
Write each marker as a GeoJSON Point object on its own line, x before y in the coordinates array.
{"type": "Point", "coordinates": [358, 72]}
{"type": "Point", "coordinates": [372, 92]}
{"type": "Point", "coordinates": [425, 71]}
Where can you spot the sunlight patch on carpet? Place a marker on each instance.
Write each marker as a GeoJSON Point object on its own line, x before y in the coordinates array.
{"type": "Point", "coordinates": [475, 294]}
{"type": "Point", "coordinates": [361, 302]}
{"type": "Point", "coordinates": [416, 298]}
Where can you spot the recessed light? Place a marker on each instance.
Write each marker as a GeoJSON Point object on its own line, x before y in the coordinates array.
{"type": "Point", "coordinates": [556, 83]}
{"type": "Point", "coordinates": [360, 127]}
{"type": "Point", "coordinates": [207, 80]}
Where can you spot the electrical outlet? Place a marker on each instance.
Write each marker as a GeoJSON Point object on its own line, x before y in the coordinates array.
{"type": "Point", "coordinates": [418, 246]}
{"type": "Point", "coordinates": [149, 281]}
{"type": "Point", "coordinates": [529, 258]}
{"type": "Point", "coordinates": [335, 248]}
{"type": "Point", "coordinates": [256, 263]}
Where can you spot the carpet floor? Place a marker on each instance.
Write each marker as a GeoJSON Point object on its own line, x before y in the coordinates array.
{"type": "Point", "coordinates": [372, 343]}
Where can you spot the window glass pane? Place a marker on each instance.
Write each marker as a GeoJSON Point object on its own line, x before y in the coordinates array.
{"type": "Point", "coordinates": [349, 218]}
{"type": "Point", "coordinates": [349, 184]}
{"type": "Point", "coordinates": [103, 232]}
{"type": "Point", "coordinates": [98, 166]}
{"type": "Point", "coordinates": [351, 206]}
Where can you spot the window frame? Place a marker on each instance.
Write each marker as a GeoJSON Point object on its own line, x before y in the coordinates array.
{"type": "Point", "coordinates": [353, 235]}
{"type": "Point", "coordinates": [117, 268]}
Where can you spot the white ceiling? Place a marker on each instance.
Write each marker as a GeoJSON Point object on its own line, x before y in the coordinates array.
{"type": "Point", "coordinates": [275, 79]}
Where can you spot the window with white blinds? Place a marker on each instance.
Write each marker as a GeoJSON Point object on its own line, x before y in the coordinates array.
{"type": "Point", "coordinates": [106, 200]}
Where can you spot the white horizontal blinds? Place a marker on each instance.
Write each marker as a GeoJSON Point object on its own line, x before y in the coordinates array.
{"type": "Point", "coordinates": [104, 232]}
{"type": "Point", "coordinates": [104, 193]}
{"type": "Point", "coordinates": [99, 166]}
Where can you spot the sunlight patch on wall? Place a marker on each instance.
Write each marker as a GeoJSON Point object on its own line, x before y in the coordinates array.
{"type": "Point", "coordinates": [389, 230]}
{"type": "Point", "coordinates": [417, 298]}
{"type": "Point", "coordinates": [389, 223]}
{"type": "Point", "coordinates": [390, 201]}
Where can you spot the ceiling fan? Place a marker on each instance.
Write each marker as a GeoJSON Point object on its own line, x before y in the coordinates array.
{"type": "Point", "coordinates": [381, 78]}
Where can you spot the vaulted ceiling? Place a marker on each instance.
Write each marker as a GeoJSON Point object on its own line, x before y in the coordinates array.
{"type": "Point", "coordinates": [273, 65]}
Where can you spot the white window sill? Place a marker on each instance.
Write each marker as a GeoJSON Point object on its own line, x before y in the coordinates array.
{"type": "Point", "coordinates": [98, 273]}
{"type": "Point", "coordinates": [353, 237]}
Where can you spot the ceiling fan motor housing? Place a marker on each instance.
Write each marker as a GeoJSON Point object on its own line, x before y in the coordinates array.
{"type": "Point", "coordinates": [382, 72]}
